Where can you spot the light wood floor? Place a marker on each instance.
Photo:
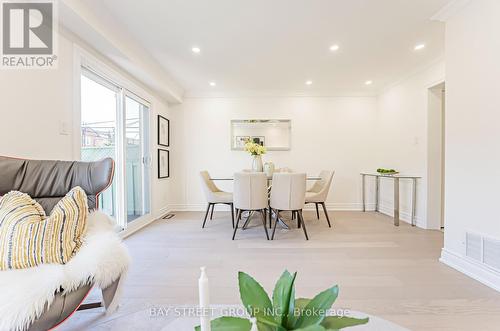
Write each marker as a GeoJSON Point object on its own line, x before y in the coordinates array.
{"type": "Point", "coordinates": [382, 270]}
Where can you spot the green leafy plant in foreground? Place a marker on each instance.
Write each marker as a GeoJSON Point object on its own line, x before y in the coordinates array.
{"type": "Point", "coordinates": [284, 312]}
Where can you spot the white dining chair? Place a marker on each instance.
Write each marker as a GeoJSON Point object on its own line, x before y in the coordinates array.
{"type": "Point", "coordinates": [318, 193]}
{"type": "Point", "coordinates": [283, 170]}
{"type": "Point", "coordinates": [288, 194]}
{"type": "Point", "coordinates": [215, 196]}
{"type": "Point", "coordinates": [250, 194]}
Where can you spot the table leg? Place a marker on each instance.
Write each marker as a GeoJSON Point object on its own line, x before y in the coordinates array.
{"type": "Point", "coordinates": [363, 191]}
{"type": "Point", "coordinates": [414, 201]}
{"type": "Point", "coordinates": [278, 220]}
{"type": "Point", "coordinates": [250, 213]}
{"type": "Point", "coordinates": [377, 192]}
{"type": "Point", "coordinates": [283, 224]}
{"type": "Point", "coordinates": [396, 201]}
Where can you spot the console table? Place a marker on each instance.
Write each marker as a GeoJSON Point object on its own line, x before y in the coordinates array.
{"type": "Point", "coordinates": [396, 178]}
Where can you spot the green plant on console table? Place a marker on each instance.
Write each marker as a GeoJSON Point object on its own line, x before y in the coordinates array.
{"type": "Point", "coordinates": [284, 312]}
{"type": "Point", "coordinates": [386, 171]}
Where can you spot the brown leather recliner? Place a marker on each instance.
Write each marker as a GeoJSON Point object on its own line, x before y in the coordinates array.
{"type": "Point", "coordinates": [47, 182]}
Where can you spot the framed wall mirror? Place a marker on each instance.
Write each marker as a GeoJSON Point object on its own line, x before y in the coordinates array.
{"type": "Point", "coordinates": [275, 135]}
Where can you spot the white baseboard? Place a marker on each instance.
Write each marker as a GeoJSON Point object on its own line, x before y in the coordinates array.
{"type": "Point", "coordinates": [472, 268]}
{"type": "Point", "coordinates": [329, 206]}
{"type": "Point", "coordinates": [195, 207]}
{"type": "Point", "coordinates": [384, 209]}
{"type": "Point", "coordinates": [403, 215]}
{"type": "Point", "coordinates": [143, 222]}
{"type": "Point", "coordinates": [337, 206]}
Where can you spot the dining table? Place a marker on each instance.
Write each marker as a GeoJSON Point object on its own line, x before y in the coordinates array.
{"type": "Point", "coordinates": [269, 186]}
{"type": "Point", "coordinates": [269, 178]}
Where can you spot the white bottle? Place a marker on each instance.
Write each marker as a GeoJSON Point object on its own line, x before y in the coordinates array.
{"type": "Point", "coordinates": [254, 324]}
{"type": "Point", "coordinates": [269, 169]}
{"type": "Point", "coordinates": [204, 300]}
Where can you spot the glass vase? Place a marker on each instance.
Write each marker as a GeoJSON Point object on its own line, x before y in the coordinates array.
{"type": "Point", "coordinates": [257, 165]}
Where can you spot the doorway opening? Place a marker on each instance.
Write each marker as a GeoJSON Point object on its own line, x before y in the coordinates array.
{"type": "Point", "coordinates": [436, 156]}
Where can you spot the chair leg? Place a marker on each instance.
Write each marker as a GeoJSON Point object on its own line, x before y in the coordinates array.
{"type": "Point", "coordinates": [326, 214]}
{"type": "Point", "coordinates": [206, 214]}
{"type": "Point", "coordinates": [108, 296]}
{"type": "Point", "coordinates": [265, 214]}
{"type": "Point", "coordinates": [275, 223]}
{"type": "Point", "coordinates": [270, 218]}
{"type": "Point", "coordinates": [264, 222]}
{"type": "Point", "coordinates": [238, 214]}
{"type": "Point", "coordinates": [301, 218]}
{"type": "Point", "coordinates": [212, 213]}
{"type": "Point", "coordinates": [317, 210]}
{"type": "Point", "coordinates": [232, 213]}
{"type": "Point", "coordinates": [298, 221]}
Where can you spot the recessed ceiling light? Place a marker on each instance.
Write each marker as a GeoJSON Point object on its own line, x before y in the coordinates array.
{"type": "Point", "coordinates": [309, 82]}
{"type": "Point", "coordinates": [196, 50]}
{"type": "Point", "coordinates": [368, 82]}
{"type": "Point", "coordinates": [212, 84]}
{"type": "Point", "coordinates": [334, 48]}
{"type": "Point", "coordinates": [419, 47]}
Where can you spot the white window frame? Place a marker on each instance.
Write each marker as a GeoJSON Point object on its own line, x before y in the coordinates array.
{"type": "Point", "coordinates": [83, 58]}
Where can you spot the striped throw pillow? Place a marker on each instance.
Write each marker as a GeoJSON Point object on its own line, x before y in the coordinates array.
{"type": "Point", "coordinates": [29, 238]}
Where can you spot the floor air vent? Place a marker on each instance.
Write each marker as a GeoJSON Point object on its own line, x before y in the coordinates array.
{"type": "Point", "coordinates": [483, 249]}
{"type": "Point", "coordinates": [168, 216]}
{"type": "Point", "coordinates": [491, 253]}
{"type": "Point", "coordinates": [474, 248]}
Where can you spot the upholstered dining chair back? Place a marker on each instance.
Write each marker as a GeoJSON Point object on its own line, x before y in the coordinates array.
{"type": "Point", "coordinates": [283, 170]}
{"type": "Point", "coordinates": [322, 187]}
{"type": "Point", "coordinates": [49, 181]}
{"type": "Point", "coordinates": [288, 192]}
{"type": "Point", "coordinates": [209, 187]}
{"type": "Point", "coordinates": [250, 191]}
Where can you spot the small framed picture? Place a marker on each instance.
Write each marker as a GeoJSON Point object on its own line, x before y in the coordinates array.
{"type": "Point", "coordinates": [259, 140]}
{"type": "Point", "coordinates": [163, 163]}
{"type": "Point", "coordinates": [163, 131]}
{"type": "Point", "coordinates": [240, 141]}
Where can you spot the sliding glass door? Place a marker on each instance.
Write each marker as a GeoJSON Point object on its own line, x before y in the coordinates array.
{"type": "Point", "coordinates": [137, 161]}
{"type": "Point", "coordinates": [99, 107]}
{"type": "Point", "coordinates": [115, 123]}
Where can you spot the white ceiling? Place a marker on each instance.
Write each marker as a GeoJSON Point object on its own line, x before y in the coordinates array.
{"type": "Point", "coordinates": [274, 46]}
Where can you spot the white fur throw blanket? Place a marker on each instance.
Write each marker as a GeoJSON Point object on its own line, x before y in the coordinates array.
{"type": "Point", "coordinates": [100, 261]}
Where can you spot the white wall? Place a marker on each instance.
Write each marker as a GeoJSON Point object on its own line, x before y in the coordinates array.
{"type": "Point", "coordinates": [472, 132]}
{"type": "Point", "coordinates": [33, 104]}
{"type": "Point", "coordinates": [402, 138]}
{"type": "Point", "coordinates": [327, 133]}
{"type": "Point", "coordinates": [435, 150]}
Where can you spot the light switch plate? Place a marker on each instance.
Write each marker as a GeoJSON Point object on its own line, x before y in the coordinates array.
{"type": "Point", "coordinates": [64, 128]}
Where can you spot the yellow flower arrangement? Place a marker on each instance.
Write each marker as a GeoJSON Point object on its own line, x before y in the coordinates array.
{"type": "Point", "coordinates": [254, 148]}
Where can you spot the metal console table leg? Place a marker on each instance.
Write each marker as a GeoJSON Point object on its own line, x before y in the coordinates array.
{"type": "Point", "coordinates": [414, 201]}
{"type": "Point", "coordinates": [363, 191]}
{"type": "Point", "coordinates": [396, 201]}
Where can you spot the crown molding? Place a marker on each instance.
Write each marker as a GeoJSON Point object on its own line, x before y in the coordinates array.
{"type": "Point", "coordinates": [450, 10]}
{"type": "Point", "coordinates": [417, 71]}
{"type": "Point", "coordinates": [109, 38]}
